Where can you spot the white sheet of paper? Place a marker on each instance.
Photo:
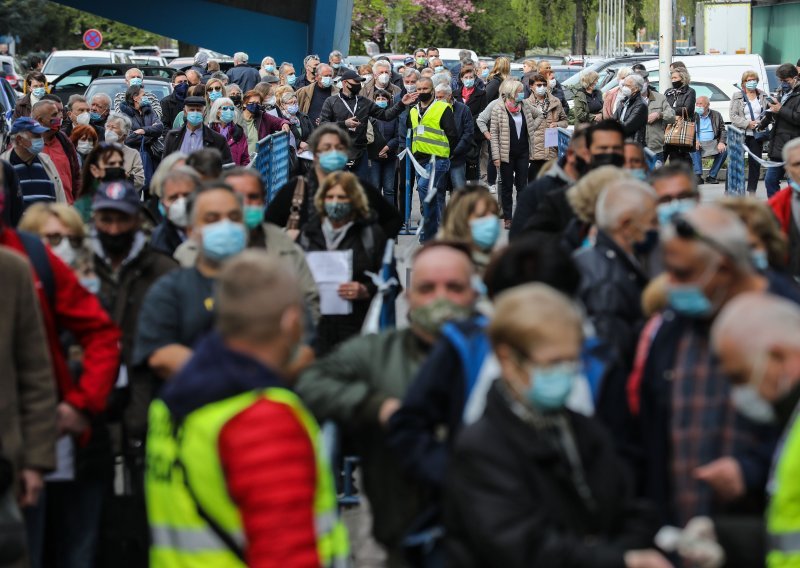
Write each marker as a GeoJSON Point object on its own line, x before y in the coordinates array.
{"type": "Point", "coordinates": [551, 138]}
{"type": "Point", "coordinates": [307, 155]}
{"type": "Point", "coordinates": [65, 460]}
{"type": "Point", "coordinates": [331, 269]}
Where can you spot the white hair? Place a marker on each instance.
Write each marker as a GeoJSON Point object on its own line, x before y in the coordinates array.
{"type": "Point", "coordinates": [444, 88]}
{"type": "Point", "coordinates": [105, 97]}
{"type": "Point", "coordinates": [383, 64]}
{"type": "Point", "coordinates": [123, 120]}
{"type": "Point", "coordinates": [211, 115]}
{"type": "Point", "coordinates": [412, 73]}
{"type": "Point", "coordinates": [620, 199]}
{"type": "Point", "coordinates": [788, 148]}
{"type": "Point", "coordinates": [509, 87]}
{"type": "Point", "coordinates": [266, 59]}
{"type": "Point", "coordinates": [321, 67]}
{"type": "Point", "coordinates": [623, 72]}
{"type": "Point", "coordinates": [441, 78]}
{"type": "Point", "coordinates": [335, 53]}
{"type": "Point", "coordinates": [638, 79]}
{"type": "Point", "coordinates": [240, 57]}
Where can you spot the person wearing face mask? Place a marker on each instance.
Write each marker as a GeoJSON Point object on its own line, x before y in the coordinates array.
{"type": "Point", "coordinates": [588, 99]}
{"type": "Point", "coordinates": [335, 61]}
{"type": "Point", "coordinates": [383, 150]}
{"type": "Point", "coordinates": [352, 111]}
{"type": "Point", "coordinates": [299, 122]}
{"type": "Point", "coordinates": [268, 68]}
{"type": "Point", "coordinates": [310, 64]}
{"type": "Point", "coordinates": [420, 60]}
{"type": "Point", "coordinates": [79, 115]}
{"type": "Point", "coordinates": [177, 187]}
{"type": "Point", "coordinates": [635, 160]}
{"type": "Point", "coordinates": [381, 79]}
{"type": "Point", "coordinates": [472, 217]}
{"type": "Point", "coordinates": [195, 135]}
{"type": "Point", "coordinates": [256, 123]}
{"type": "Point", "coordinates": [473, 94]}
{"type": "Point", "coordinates": [554, 116]}
{"type": "Point", "coordinates": [571, 505]}
{"type": "Point", "coordinates": [172, 104]}
{"type": "Point", "coordinates": [747, 109]}
{"type": "Point", "coordinates": [49, 113]}
{"type": "Point", "coordinates": [682, 98]}
{"type": "Point", "coordinates": [135, 78]}
{"type": "Point", "coordinates": [625, 217]}
{"type": "Point", "coordinates": [784, 116]}
{"type": "Point", "coordinates": [35, 171]}
{"type": "Point", "coordinates": [146, 128]}
{"type": "Point", "coordinates": [35, 87]}
{"type": "Point", "coordinates": [84, 138]}
{"type": "Point", "coordinates": [100, 105]}
{"type": "Point", "coordinates": [361, 384]}
{"type": "Point", "coordinates": [755, 338]}
{"type": "Point", "coordinates": [660, 114]}
{"type": "Point", "coordinates": [103, 163]}
{"type": "Point", "coordinates": [312, 97]}
{"type": "Point", "coordinates": [677, 191]}
{"type": "Point", "coordinates": [783, 204]}
{"type": "Point", "coordinates": [768, 246]}
{"type": "Point", "coordinates": [222, 120]}
{"type": "Point", "coordinates": [287, 75]}
{"type": "Point", "coordinates": [117, 127]}
{"type": "Point", "coordinates": [344, 222]}
{"type": "Point", "coordinates": [632, 111]}
{"type": "Point", "coordinates": [711, 137]}
{"type": "Point", "coordinates": [708, 263]}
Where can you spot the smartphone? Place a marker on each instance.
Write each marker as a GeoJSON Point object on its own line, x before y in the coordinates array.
{"type": "Point", "coordinates": [770, 100]}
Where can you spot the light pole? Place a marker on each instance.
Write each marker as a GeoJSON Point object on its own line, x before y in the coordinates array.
{"type": "Point", "coordinates": [664, 43]}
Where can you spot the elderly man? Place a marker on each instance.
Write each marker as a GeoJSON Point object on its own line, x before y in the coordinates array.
{"type": "Point", "coordinates": [176, 188]}
{"type": "Point", "coordinates": [100, 106]}
{"type": "Point", "coordinates": [200, 65]}
{"type": "Point", "coordinates": [133, 77]}
{"type": "Point", "coordinates": [677, 191]}
{"type": "Point", "coordinates": [37, 175]}
{"type": "Point", "coordinates": [757, 338]}
{"type": "Point", "coordinates": [335, 61]}
{"type": "Point", "coordinates": [59, 148]}
{"type": "Point", "coordinates": [465, 126]}
{"type": "Point", "coordinates": [79, 113]}
{"type": "Point", "coordinates": [312, 97]}
{"type": "Point", "coordinates": [117, 127]}
{"type": "Point", "coordinates": [786, 204]}
{"type": "Point", "coordinates": [194, 134]}
{"type": "Point", "coordinates": [632, 110]}
{"type": "Point", "coordinates": [361, 384]}
{"type": "Point", "coordinates": [242, 74]}
{"type": "Point", "coordinates": [381, 79]}
{"type": "Point", "coordinates": [710, 140]}
{"type": "Point", "coordinates": [612, 277]}
{"type": "Point", "coordinates": [685, 395]}
{"type": "Point", "coordinates": [310, 63]}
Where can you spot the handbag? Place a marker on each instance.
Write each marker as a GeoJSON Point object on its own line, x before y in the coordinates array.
{"type": "Point", "coordinates": [681, 134]}
{"type": "Point", "coordinates": [293, 224]}
{"type": "Point", "coordinates": [757, 134]}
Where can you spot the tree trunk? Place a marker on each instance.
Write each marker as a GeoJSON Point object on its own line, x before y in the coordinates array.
{"type": "Point", "coordinates": [579, 39]}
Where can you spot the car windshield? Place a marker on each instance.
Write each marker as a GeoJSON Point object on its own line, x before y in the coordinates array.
{"type": "Point", "coordinates": [59, 65]}
{"type": "Point", "coordinates": [574, 81]}
{"type": "Point", "coordinates": [160, 89]}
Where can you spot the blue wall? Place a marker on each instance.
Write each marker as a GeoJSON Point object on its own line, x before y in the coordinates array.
{"type": "Point", "coordinates": [227, 29]}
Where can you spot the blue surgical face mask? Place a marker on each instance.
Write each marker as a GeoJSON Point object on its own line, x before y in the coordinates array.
{"type": "Point", "coordinates": [689, 300]}
{"type": "Point", "coordinates": [794, 185]}
{"type": "Point", "coordinates": [520, 97]}
{"type": "Point", "coordinates": [485, 231]}
{"type": "Point", "coordinates": [551, 386]}
{"type": "Point", "coordinates": [94, 116]}
{"type": "Point", "coordinates": [438, 69]}
{"type": "Point", "coordinates": [338, 210]}
{"type": "Point", "coordinates": [194, 117]}
{"type": "Point", "coordinates": [253, 216]}
{"type": "Point", "coordinates": [292, 109]}
{"type": "Point", "coordinates": [469, 83]}
{"type": "Point", "coordinates": [760, 259]}
{"type": "Point", "coordinates": [666, 211]}
{"type": "Point", "coordinates": [269, 68]}
{"type": "Point", "coordinates": [332, 161]}
{"type": "Point", "coordinates": [484, 73]}
{"type": "Point", "coordinates": [214, 95]}
{"type": "Point", "coordinates": [751, 85]}
{"type": "Point", "coordinates": [699, 110]}
{"type": "Point", "coordinates": [37, 145]}
{"type": "Point", "coordinates": [91, 283]}
{"type": "Point", "coordinates": [541, 91]}
{"type": "Point", "coordinates": [291, 79]}
{"type": "Point", "coordinates": [38, 92]}
{"type": "Point", "coordinates": [326, 82]}
{"type": "Point", "coordinates": [223, 239]}
{"type": "Point", "coordinates": [639, 173]}
{"type": "Point", "coordinates": [786, 86]}
{"type": "Point", "coordinates": [382, 104]}
{"type": "Point", "coordinates": [136, 82]}
{"type": "Point", "coordinates": [227, 116]}
{"type": "Point", "coordinates": [336, 65]}
{"type": "Point", "coordinates": [145, 102]}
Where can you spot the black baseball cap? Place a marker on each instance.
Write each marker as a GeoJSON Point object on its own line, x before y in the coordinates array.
{"type": "Point", "coordinates": [350, 75]}
{"type": "Point", "coordinates": [117, 195]}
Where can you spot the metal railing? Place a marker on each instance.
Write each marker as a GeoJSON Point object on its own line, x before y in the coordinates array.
{"type": "Point", "coordinates": [272, 162]}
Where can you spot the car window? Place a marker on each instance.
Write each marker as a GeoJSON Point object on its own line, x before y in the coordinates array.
{"type": "Point", "coordinates": [713, 93]}
{"type": "Point", "coordinates": [112, 88]}
{"type": "Point", "coordinates": [82, 77]}
{"type": "Point", "coordinates": [59, 65]}
{"type": "Point", "coordinates": [8, 69]}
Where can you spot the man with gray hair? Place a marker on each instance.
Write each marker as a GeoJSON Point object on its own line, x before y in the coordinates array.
{"type": "Point", "coordinates": [242, 74]}
{"type": "Point", "coordinates": [612, 277]}
{"type": "Point", "coordinates": [335, 61]}
{"type": "Point", "coordinates": [632, 111]}
{"type": "Point", "coordinates": [312, 97]}
{"type": "Point", "coordinates": [381, 79]}
{"type": "Point", "coordinates": [134, 76]}
{"type": "Point", "coordinates": [310, 63]}
{"type": "Point", "coordinates": [465, 126]}
{"type": "Point", "coordinates": [685, 396]}
{"type": "Point", "coordinates": [786, 203]}
{"type": "Point", "coordinates": [200, 64]}
{"type": "Point", "coordinates": [710, 140]}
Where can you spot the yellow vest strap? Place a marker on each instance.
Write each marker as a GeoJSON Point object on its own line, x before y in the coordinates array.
{"type": "Point", "coordinates": [191, 540]}
{"type": "Point", "coordinates": [785, 542]}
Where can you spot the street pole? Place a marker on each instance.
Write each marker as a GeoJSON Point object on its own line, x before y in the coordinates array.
{"type": "Point", "coordinates": [664, 44]}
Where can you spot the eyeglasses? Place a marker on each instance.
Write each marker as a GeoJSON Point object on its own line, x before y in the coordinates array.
{"type": "Point", "coordinates": [227, 108]}
{"type": "Point", "coordinates": [685, 230]}
{"type": "Point", "coordinates": [54, 239]}
{"type": "Point", "coordinates": [217, 89]}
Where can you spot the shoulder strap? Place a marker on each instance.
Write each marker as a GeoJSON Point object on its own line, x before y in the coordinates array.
{"type": "Point", "coordinates": [297, 202]}
{"type": "Point", "coordinates": [37, 254]}
{"type": "Point", "coordinates": [749, 106]}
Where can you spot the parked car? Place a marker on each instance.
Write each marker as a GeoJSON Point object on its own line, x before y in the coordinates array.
{"type": "Point", "coordinates": [396, 59]}
{"type": "Point", "coordinates": [11, 72]}
{"type": "Point", "coordinates": [59, 62]}
{"type": "Point", "coordinates": [112, 86]}
{"type": "Point", "coordinates": [356, 61]}
{"type": "Point", "coordinates": [146, 50]}
{"type": "Point", "coordinates": [151, 60]}
{"type": "Point", "coordinates": [169, 54]}
{"type": "Point", "coordinates": [449, 56]}
{"type": "Point", "coordinates": [606, 68]}
{"type": "Point", "coordinates": [551, 57]}
{"type": "Point", "coordinates": [8, 102]}
{"type": "Point", "coordinates": [75, 81]}
{"type": "Point", "coordinates": [564, 72]}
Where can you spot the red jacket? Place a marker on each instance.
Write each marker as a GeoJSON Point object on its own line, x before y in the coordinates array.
{"type": "Point", "coordinates": [78, 311]}
{"type": "Point", "coordinates": [781, 204]}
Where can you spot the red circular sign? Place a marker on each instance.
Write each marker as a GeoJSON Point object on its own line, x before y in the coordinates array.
{"type": "Point", "coordinates": [92, 38]}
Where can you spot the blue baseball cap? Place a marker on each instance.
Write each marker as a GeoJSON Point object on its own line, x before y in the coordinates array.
{"type": "Point", "coordinates": [118, 195]}
{"type": "Point", "coordinates": [27, 124]}
{"type": "Point", "coordinates": [408, 60]}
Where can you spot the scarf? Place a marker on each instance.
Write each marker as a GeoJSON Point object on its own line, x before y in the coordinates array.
{"type": "Point", "coordinates": [334, 236]}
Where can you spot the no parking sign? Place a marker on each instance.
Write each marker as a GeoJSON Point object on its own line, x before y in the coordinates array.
{"type": "Point", "coordinates": [92, 38]}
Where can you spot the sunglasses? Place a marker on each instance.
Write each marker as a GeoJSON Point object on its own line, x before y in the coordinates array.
{"type": "Point", "coordinates": [227, 108]}
{"type": "Point", "coordinates": [685, 230]}
{"type": "Point", "coordinates": [54, 239]}
{"type": "Point", "coordinates": [217, 89]}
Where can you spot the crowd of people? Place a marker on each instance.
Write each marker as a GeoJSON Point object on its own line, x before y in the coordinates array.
{"type": "Point", "coordinates": [599, 367]}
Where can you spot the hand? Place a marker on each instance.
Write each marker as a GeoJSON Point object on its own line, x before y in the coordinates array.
{"type": "Point", "coordinates": [139, 131]}
{"type": "Point", "coordinates": [487, 135]}
{"type": "Point", "coordinates": [553, 125]}
{"type": "Point", "coordinates": [724, 476]}
{"type": "Point", "coordinates": [293, 233]}
{"type": "Point", "coordinates": [352, 122]}
{"type": "Point", "coordinates": [598, 117]}
{"type": "Point", "coordinates": [410, 98]}
{"type": "Point", "coordinates": [697, 144]}
{"type": "Point", "coordinates": [497, 163]}
{"type": "Point", "coordinates": [301, 361]}
{"type": "Point", "coordinates": [646, 559]}
{"type": "Point", "coordinates": [317, 121]}
{"type": "Point", "coordinates": [31, 485]}
{"type": "Point", "coordinates": [652, 117]}
{"type": "Point", "coordinates": [70, 420]}
{"type": "Point", "coordinates": [384, 153]}
{"type": "Point", "coordinates": [754, 124]}
{"type": "Point", "coordinates": [776, 107]}
{"type": "Point", "coordinates": [388, 408]}
{"type": "Point", "coordinates": [353, 291]}
{"type": "Point", "coordinates": [285, 128]}
{"type": "Point", "coordinates": [699, 546]}
{"type": "Point", "coordinates": [721, 147]}
{"type": "Point", "coordinates": [302, 147]}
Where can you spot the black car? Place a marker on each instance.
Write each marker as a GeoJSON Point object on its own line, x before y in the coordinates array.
{"type": "Point", "coordinates": [76, 80]}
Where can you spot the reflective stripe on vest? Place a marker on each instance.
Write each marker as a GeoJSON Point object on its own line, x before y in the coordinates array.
{"type": "Point", "coordinates": [432, 140]}
{"type": "Point", "coordinates": [181, 537]}
{"type": "Point", "coordinates": [783, 516]}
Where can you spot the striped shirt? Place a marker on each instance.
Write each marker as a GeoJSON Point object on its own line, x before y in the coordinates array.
{"type": "Point", "coordinates": [34, 182]}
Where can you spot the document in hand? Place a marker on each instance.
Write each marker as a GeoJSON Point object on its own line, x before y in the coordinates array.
{"type": "Point", "coordinates": [551, 138]}
{"type": "Point", "coordinates": [330, 270]}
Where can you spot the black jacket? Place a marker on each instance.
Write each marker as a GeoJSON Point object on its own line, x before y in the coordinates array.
{"type": "Point", "coordinates": [558, 92]}
{"type": "Point", "coordinates": [171, 107]}
{"type": "Point", "coordinates": [635, 122]}
{"type": "Point", "coordinates": [166, 238]}
{"type": "Point", "coordinates": [528, 201]}
{"type": "Point", "coordinates": [245, 76]}
{"type": "Point", "coordinates": [476, 104]}
{"type": "Point", "coordinates": [493, 88]}
{"type": "Point", "coordinates": [553, 213]}
{"type": "Point", "coordinates": [335, 109]}
{"type": "Point", "coordinates": [211, 139]}
{"type": "Point", "coordinates": [145, 119]}
{"type": "Point", "coordinates": [611, 290]}
{"type": "Point", "coordinates": [720, 133]}
{"type": "Point", "coordinates": [513, 501]}
{"type": "Point", "coordinates": [681, 100]}
{"type": "Point", "coordinates": [786, 124]}
{"type": "Point", "coordinates": [14, 204]}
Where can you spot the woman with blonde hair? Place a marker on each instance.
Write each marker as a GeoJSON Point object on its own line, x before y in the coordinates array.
{"type": "Point", "coordinates": [472, 216]}
{"type": "Point", "coordinates": [513, 127]}
{"type": "Point", "coordinates": [499, 73]}
{"type": "Point", "coordinates": [588, 99]}
{"type": "Point", "coordinates": [682, 98]}
{"type": "Point", "coordinates": [344, 222]}
{"type": "Point", "coordinates": [582, 198]}
{"type": "Point", "coordinates": [746, 111]}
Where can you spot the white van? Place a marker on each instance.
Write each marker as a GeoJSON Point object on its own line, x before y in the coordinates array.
{"type": "Point", "coordinates": [449, 56]}
{"type": "Point", "coordinates": [714, 76]}
{"type": "Point", "coordinates": [59, 62]}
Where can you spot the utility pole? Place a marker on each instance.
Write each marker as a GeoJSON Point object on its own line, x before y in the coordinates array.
{"type": "Point", "coordinates": [664, 43]}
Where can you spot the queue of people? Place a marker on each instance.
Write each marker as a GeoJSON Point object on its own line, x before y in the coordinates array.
{"type": "Point", "coordinates": [622, 369]}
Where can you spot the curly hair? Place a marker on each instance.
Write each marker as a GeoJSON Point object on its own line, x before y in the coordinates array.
{"type": "Point", "coordinates": [81, 131]}
{"type": "Point", "coordinates": [351, 186]}
{"type": "Point", "coordinates": [583, 195]}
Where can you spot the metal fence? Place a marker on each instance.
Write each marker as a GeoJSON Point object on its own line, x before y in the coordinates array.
{"type": "Point", "coordinates": [736, 181]}
{"type": "Point", "coordinates": [272, 162]}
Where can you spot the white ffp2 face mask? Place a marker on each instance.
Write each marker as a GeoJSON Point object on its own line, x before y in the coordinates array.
{"type": "Point", "coordinates": [177, 213]}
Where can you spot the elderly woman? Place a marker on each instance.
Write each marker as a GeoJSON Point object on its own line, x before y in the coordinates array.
{"type": "Point", "coordinates": [632, 111]}
{"type": "Point", "coordinates": [256, 122]}
{"type": "Point", "coordinates": [344, 222]}
{"type": "Point", "coordinates": [146, 126]}
{"type": "Point", "coordinates": [582, 198]}
{"type": "Point", "coordinates": [287, 74]}
{"type": "Point", "coordinates": [118, 126]}
{"type": "Point", "coordinates": [611, 100]}
{"type": "Point", "coordinates": [513, 139]}
{"type": "Point", "coordinates": [268, 68]}
{"type": "Point", "coordinates": [747, 109]}
{"type": "Point", "coordinates": [84, 138]}
{"type": "Point", "coordinates": [588, 99]}
{"type": "Point", "coordinates": [234, 93]}
{"type": "Point", "coordinates": [549, 107]}
{"type": "Point", "coordinates": [473, 217]}
{"type": "Point", "coordinates": [768, 245]}
{"type": "Point", "coordinates": [221, 118]}
{"type": "Point", "coordinates": [682, 98]}
{"type": "Point", "coordinates": [299, 122]}
{"type": "Point", "coordinates": [533, 483]}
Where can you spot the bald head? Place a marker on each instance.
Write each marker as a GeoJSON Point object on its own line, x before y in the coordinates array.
{"type": "Point", "coordinates": [441, 271]}
{"type": "Point", "coordinates": [622, 201]}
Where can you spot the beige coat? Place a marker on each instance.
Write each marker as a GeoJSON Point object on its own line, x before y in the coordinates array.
{"type": "Point", "coordinates": [51, 170]}
{"type": "Point", "coordinates": [132, 164]}
{"type": "Point", "coordinates": [304, 96]}
{"type": "Point", "coordinates": [27, 386]}
{"type": "Point", "coordinates": [555, 116]}
{"type": "Point", "coordinates": [278, 243]}
{"type": "Point", "coordinates": [500, 127]}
